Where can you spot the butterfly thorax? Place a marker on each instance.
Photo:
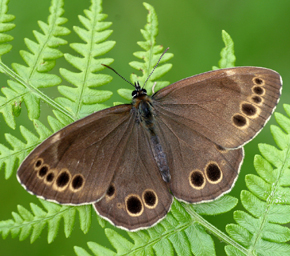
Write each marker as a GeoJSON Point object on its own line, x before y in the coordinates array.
{"type": "Point", "coordinates": [144, 110]}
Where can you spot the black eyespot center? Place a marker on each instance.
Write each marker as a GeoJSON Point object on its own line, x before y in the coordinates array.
{"type": "Point", "coordinates": [258, 80]}
{"type": "Point", "coordinates": [62, 179]}
{"type": "Point", "coordinates": [239, 120]}
{"type": "Point", "coordinates": [134, 205]}
{"type": "Point", "coordinates": [38, 163]}
{"type": "Point", "coordinates": [150, 198]}
{"type": "Point", "coordinates": [257, 99]}
{"type": "Point", "coordinates": [50, 177]}
{"type": "Point", "coordinates": [213, 172]}
{"type": "Point", "coordinates": [111, 190]}
{"type": "Point", "coordinates": [77, 181]}
{"type": "Point", "coordinates": [43, 171]}
{"type": "Point", "coordinates": [197, 179]}
{"type": "Point", "coordinates": [249, 109]}
{"type": "Point", "coordinates": [258, 90]}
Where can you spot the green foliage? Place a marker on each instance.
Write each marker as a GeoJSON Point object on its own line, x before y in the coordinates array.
{"type": "Point", "coordinates": [25, 223]}
{"type": "Point", "coordinates": [82, 100]}
{"type": "Point", "coordinates": [181, 232]}
{"type": "Point", "coordinates": [77, 102]}
{"type": "Point", "coordinates": [19, 150]}
{"type": "Point", "coordinates": [150, 57]}
{"type": "Point", "coordinates": [40, 59]}
{"type": "Point", "coordinates": [267, 202]}
{"type": "Point", "coordinates": [258, 229]}
{"type": "Point", "coordinates": [5, 26]}
{"type": "Point", "coordinates": [228, 57]}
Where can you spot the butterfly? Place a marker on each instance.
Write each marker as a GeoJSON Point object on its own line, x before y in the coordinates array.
{"type": "Point", "coordinates": [131, 160]}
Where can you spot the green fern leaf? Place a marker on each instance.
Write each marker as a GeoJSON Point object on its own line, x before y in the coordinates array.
{"type": "Point", "coordinates": [26, 223]}
{"type": "Point", "coordinates": [228, 57]}
{"type": "Point", "coordinates": [5, 26]}
{"type": "Point", "coordinates": [182, 224]}
{"type": "Point", "coordinates": [267, 201]}
{"type": "Point", "coordinates": [40, 60]}
{"type": "Point", "coordinates": [150, 57]}
{"type": "Point", "coordinates": [10, 157]}
{"type": "Point", "coordinates": [83, 99]}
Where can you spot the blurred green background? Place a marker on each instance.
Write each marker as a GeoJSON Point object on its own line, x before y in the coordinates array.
{"type": "Point", "coordinates": [192, 30]}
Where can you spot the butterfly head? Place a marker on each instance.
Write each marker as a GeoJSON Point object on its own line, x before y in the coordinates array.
{"type": "Point", "coordinates": [138, 91]}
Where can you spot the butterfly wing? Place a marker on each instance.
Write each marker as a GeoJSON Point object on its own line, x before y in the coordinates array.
{"type": "Point", "coordinates": [137, 197]}
{"type": "Point", "coordinates": [200, 118]}
{"type": "Point", "coordinates": [200, 169]}
{"type": "Point", "coordinates": [76, 164]}
{"type": "Point", "coordinates": [227, 106]}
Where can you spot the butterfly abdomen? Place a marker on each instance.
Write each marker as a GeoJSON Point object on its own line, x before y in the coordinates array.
{"type": "Point", "coordinates": [146, 118]}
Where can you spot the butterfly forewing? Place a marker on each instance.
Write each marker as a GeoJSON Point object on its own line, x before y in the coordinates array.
{"type": "Point", "coordinates": [76, 164]}
{"type": "Point", "coordinates": [227, 106]}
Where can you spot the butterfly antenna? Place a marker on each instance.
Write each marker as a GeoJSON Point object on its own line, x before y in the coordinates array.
{"type": "Point", "coordinates": [118, 74]}
{"type": "Point", "coordinates": [155, 66]}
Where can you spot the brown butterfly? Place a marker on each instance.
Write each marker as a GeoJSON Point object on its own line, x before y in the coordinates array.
{"type": "Point", "coordinates": [130, 160]}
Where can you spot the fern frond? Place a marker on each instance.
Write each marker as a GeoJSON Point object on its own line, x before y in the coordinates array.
{"type": "Point", "coordinates": [267, 202]}
{"type": "Point", "coordinates": [10, 157]}
{"type": "Point", "coordinates": [150, 57]}
{"type": "Point", "coordinates": [27, 223]}
{"type": "Point", "coordinates": [83, 99]}
{"type": "Point", "coordinates": [5, 26]}
{"type": "Point", "coordinates": [182, 224]}
{"type": "Point", "coordinates": [228, 57]}
{"type": "Point", "coordinates": [40, 59]}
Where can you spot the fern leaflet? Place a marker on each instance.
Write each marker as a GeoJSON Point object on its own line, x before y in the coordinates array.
{"type": "Point", "coordinates": [84, 99]}
{"type": "Point", "coordinates": [28, 79]}
{"type": "Point", "coordinates": [266, 203]}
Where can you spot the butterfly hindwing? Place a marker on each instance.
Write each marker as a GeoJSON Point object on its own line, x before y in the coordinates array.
{"type": "Point", "coordinates": [200, 170]}
{"type": "Point", "coordinates": [137, 197]}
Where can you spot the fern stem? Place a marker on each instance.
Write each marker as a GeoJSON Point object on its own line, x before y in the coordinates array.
{"type": "Point", "coordinates": [14, 76]}
{"type": "Point", "coordinates": [219, 234]}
